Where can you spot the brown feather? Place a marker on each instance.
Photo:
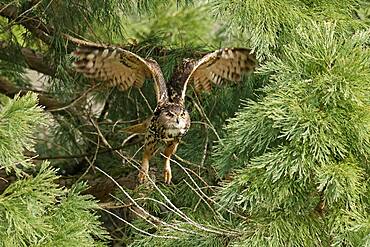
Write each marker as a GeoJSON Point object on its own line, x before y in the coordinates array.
{"type": "Point", "coordinates": [119, 68]}
{"type": "Point", "coordinates": [227, 63]}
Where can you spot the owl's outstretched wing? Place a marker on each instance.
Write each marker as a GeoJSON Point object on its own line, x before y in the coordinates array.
{"type": "Point", "coordinates": [119, 67]}
{"type": "Point", "coordinates": [226, 63]}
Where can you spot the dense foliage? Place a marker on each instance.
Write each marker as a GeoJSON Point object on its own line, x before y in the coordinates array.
{"type": "Point", "coordinates": [280, 160]}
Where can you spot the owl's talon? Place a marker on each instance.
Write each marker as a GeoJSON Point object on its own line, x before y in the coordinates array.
{"type": "Point", "coordinates": [167, 176]}
{"type": "Point", "coordinates": [142, 177]}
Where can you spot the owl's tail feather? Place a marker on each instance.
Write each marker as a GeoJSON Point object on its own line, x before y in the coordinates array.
{"type": "Point", "coordinates": [139, 128]}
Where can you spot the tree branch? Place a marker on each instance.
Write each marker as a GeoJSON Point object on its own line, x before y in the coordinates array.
{"type": "Point", "coordinates": [7, 88]}
{"type": "Point", "coordinates": [45, 33]}
{"type": "Point", "coordinates": [137, 140]}
{"type": "Point", "coordinates": [33, 59]}
{"type": "Point", "coordinates": [99, 186]}
{"type": "Point", "coordinates": [34, 24]}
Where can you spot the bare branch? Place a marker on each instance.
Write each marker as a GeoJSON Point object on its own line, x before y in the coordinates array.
{"type": "Point", "coordinates": [7, 88]}
{"type": "Point", "coordinates": [34, 60]}
{"type": "Point", "coordinates": [34, 24]}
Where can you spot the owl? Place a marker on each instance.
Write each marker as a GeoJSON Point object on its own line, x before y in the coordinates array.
{"type": "Point", "coordinates": [170, 120]}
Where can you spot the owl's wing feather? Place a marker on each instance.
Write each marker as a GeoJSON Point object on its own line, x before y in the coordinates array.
{"type": "Point", "coordinates": [119, 67]}
{"type": "Point", "coordinates": [226, 63]}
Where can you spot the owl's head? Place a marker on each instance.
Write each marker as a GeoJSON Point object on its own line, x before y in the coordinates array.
{"type": "Point", "coordinates": [175, 118]}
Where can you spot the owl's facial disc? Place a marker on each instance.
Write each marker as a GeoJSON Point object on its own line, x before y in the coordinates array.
{"type": "Point", "coordinates": [176, 120]}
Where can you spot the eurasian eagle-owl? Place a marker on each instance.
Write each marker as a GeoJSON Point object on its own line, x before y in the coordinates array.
{"type": "Point", "coordinates": [170, 120]}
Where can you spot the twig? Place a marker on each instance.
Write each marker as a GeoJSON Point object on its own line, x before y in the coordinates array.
{"type": "Point", "coordinates": [135, 212]}
{"type": "Point", "coordinates": [136, 228]}
{"type": "Point", "coordinates": [201, 191]}
{"type": "Point", "coordinates": [200, 178]}
{"type": "Point", "coordinates": [146, 101]}
{"type": "Point", "coordinates": [76, 155]}
{"type": "Point", "coordinates": [109, 205]}
{"type": "Point", "coordinates": [203, 114]}
{"type": "Point", "coordinates": [186, 218]}
{"type": "Point", "coordinates": [188, 162]}
{"type": "Point", "coordinates": [129, 160]}
{"type": "Point", "coordinates": [83, 95]}
{"type": "Point", "coordinates": [91, 163]}
{"type": "Point", "coordinates": [204, 156]}
{"type": "Point", "coordinates": [135, 203]}
{"type": "Point", "coordinates": [201, 197]}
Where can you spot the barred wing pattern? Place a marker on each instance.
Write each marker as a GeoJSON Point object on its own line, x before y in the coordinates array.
{"type": "Point", "coordinates": [226, 63]}
{"type": "Point", "coordinates": [119, 68]}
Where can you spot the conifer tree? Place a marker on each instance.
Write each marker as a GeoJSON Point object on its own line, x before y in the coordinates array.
{"type": "Point", "coordinates": [34, 210]}
{"type": "Point", "coordinates": [281, 159]}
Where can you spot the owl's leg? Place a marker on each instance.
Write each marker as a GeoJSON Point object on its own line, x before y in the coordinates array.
{"type": "Point", "coordinates": [170, 149]}
{"type": "Point", "coordinates": [149, 151]}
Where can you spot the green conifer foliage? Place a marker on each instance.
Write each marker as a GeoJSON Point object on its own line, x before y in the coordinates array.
{"type": "Point", "coordinates": [310, 143]}
{"type": "Point", "coordinates": [35, 210]}
{"type": "Point", "coordinates": [297, 158]}
{"type": "Point", "coordinates": [18, 118]}
{"type": "Point", "coordinates": [280, 160]}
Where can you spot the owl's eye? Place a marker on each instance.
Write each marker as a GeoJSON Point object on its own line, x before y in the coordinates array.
{"type": "Point", "coordinates": [170, 114]}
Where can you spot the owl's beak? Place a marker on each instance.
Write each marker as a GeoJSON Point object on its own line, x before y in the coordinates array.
{"type": "Point", "coordinates": [177, 120]}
